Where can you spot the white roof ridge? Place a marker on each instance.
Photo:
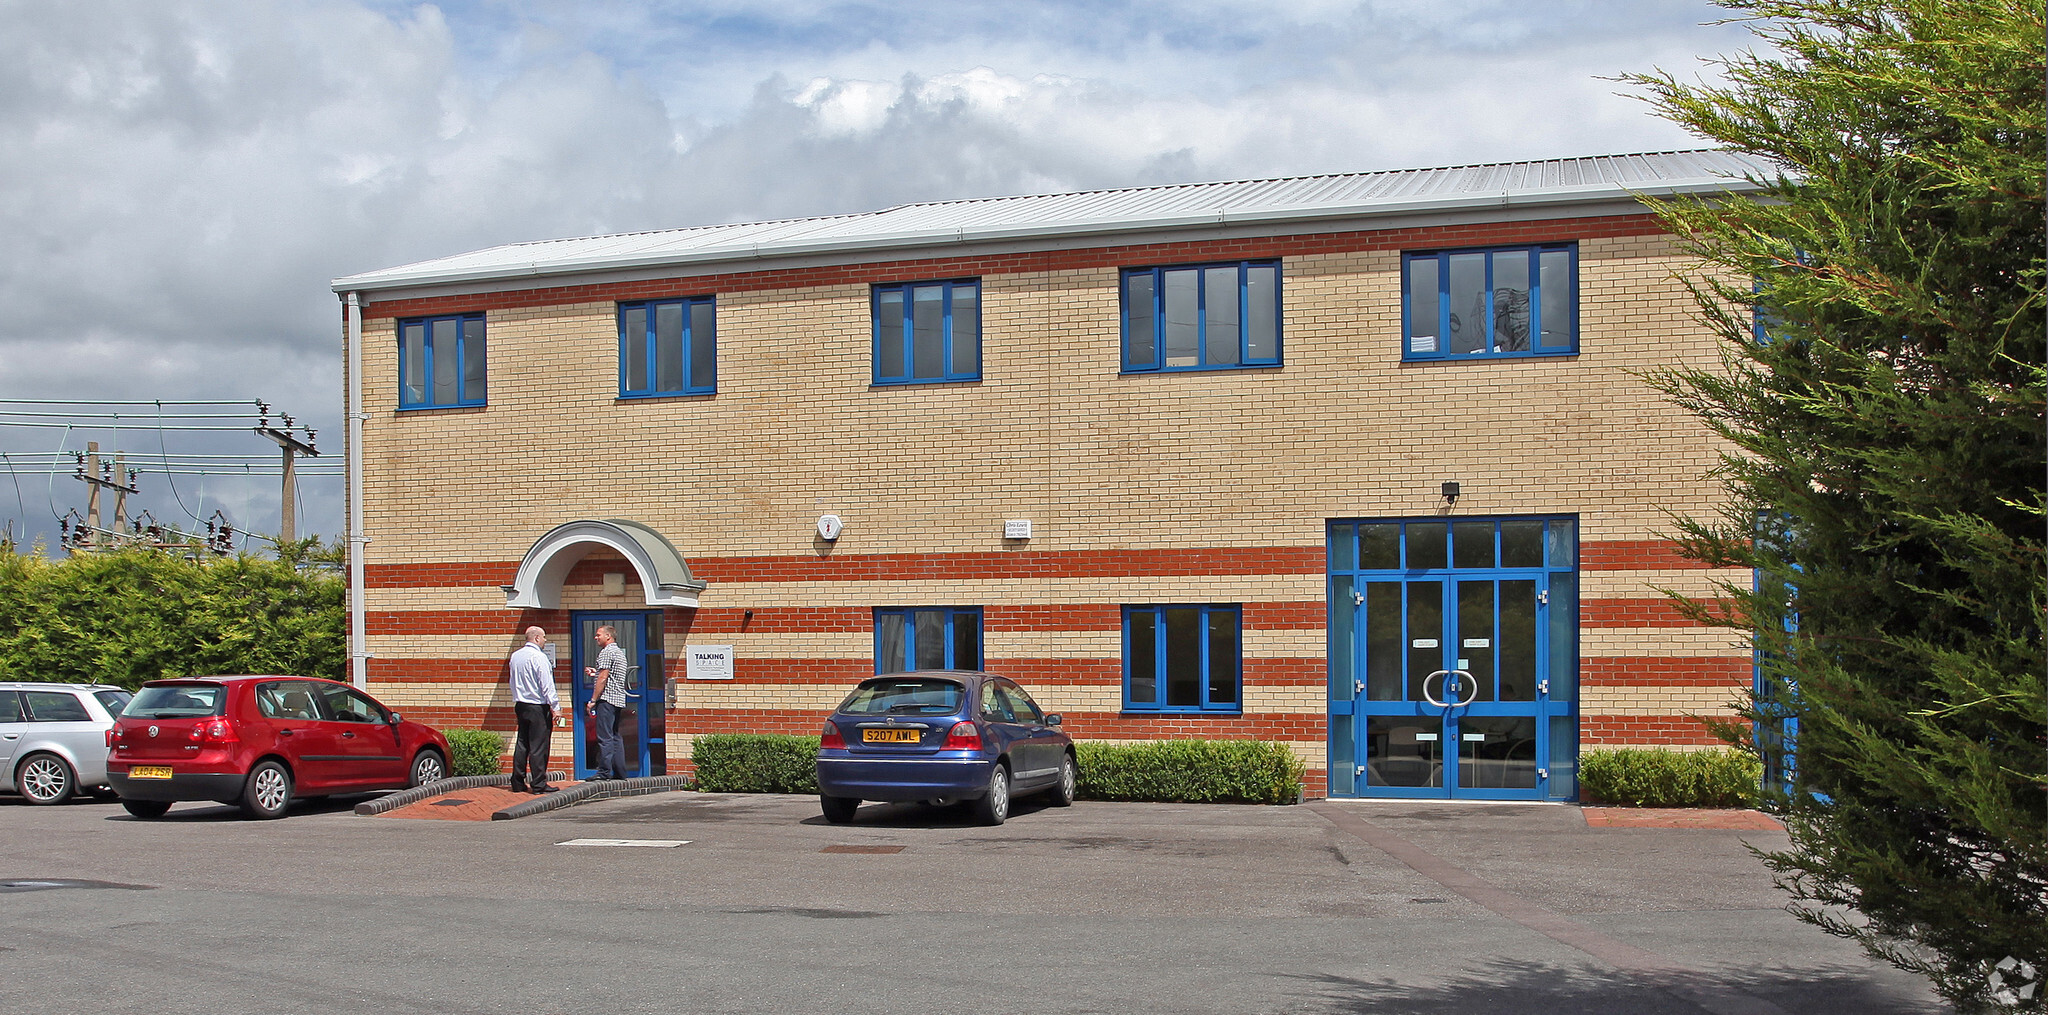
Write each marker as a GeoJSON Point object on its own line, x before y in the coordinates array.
{"type": "Point", "coordinates": [1584, 180]}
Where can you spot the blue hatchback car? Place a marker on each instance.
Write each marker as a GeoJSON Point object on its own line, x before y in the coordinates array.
{"type": "Point", "coordinates": [942, 736]}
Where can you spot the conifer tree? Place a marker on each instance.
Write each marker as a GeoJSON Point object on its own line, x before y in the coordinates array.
{"type": "Point", "coordinates": [1881, 399]}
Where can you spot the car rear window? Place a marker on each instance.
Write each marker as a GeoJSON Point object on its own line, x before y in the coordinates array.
{"type": "Point", "coordinates": [907, 696]}
{"type": "Point", "coordinates": [113, 701]}
{"type": "Point", "coordinates": [174, 701]}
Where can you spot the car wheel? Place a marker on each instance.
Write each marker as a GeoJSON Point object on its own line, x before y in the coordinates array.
{"type": "Point", "coordinates": [45, 779]}
{"type": "Point", "coordinates": [428, 767]}
{"type": "Point", "coordinates": [268, 791]}
{"type": "Point", "coordinates": [994, 806]}
{"type": "Point", "coordinates": [838, 809]}
{"type": "Point", "coordinates": [146, 808]}
{"type": "Point", "coordinates": [1062, 794]}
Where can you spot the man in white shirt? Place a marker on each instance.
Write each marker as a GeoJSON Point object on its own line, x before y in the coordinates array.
{"type": "Point", "coordinates": [537, 708]}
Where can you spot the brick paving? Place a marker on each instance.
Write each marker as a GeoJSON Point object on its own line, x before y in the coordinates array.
{"type": "Point", "coordinates": [1675, 817]}
{"type": "Point", "coordinates": [479, 803]}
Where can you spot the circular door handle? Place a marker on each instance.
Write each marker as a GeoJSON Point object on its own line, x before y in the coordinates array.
{"type": "Point", "coordinates": [1431, 698]}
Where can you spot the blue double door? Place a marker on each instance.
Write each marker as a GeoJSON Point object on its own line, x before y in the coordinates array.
{"type": "Point", "coordinates": [642, 726]}
{"type": "Point", "coordinates": [1454, 658]}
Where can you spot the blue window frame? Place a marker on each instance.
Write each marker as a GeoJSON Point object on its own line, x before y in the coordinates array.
{"type": "Point", "coordinates": [668, 347]}
{"type": "Point", "coordinates": [927, 638]}
{"type": "Point", "coordinates": [1201, 317]}
{"type": "Point", "coordinates": [441, 361]}
{"type": "Point", "coordinates": [1183, 659]}
{"type": "Point", "coordinates": [1496, 302]}
{"type": "Point", "coordinates": [928, 332]}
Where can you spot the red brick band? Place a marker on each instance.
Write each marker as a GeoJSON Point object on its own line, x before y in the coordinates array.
{"type": "Point", "coordinates": [1594, 555]}
{"type": "Point", "coordinates": [1126, 255]}
{"type": "Point", "coordinates": [1595, 730]}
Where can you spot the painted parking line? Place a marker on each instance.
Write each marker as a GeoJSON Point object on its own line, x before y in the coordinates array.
{"type": "Point", "coordinates": [656, 843]}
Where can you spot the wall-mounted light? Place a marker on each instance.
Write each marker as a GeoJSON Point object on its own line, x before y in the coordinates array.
{"type": "Point", "coordinates": [1451, 492]}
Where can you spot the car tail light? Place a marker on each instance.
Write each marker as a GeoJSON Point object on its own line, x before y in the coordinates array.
{"type": "Point", "coordinates": [963, 737]}
{"type": "Point", "coordinates": [113, 734]}
{"type": "Point", "coordinates": [216, 731]}
{"type": "Point", "coordinates": [831, 738]}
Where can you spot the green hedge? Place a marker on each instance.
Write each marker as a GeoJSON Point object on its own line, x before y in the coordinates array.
{"type": "Point", "coordinates": [1191, 771]}
{"type": "Point", "coordinates": [126, 616]}
{"type": "Point", "coordinates": [755, 763]}
{"type": "Point", "coordinates": [476, 752]}
{"type": "Point", "coordinates": [1638, 777]}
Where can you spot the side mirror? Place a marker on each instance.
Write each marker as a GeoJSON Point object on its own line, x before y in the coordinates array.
{"type": "Point", "coordinates": [396, 718]}
{"type": "Point", "coordinates": [1052, 719]}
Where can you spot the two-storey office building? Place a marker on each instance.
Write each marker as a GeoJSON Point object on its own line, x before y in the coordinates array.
{"type": "Point", "coordinates": [1361, 463]}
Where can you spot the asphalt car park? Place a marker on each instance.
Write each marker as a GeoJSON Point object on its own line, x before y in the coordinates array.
{"type": "Point", "coordinates": [717, 903]}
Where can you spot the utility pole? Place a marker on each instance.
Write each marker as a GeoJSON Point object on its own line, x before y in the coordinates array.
{"type": "Point", "coordinates": [287, 526]}
{"type": "Point", "coordinates": [95, 476]}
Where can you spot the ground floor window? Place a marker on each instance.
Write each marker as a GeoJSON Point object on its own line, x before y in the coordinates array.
{"type": "Point", "coordinates": [1182, 659]}
{"type": "Point", "coordinates": [927, 638]}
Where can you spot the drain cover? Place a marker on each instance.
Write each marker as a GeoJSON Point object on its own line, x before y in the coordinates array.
{"type": "Point", "coordinates": [862, 849]}
{"type": "Point", "coordinates": [449, 803]}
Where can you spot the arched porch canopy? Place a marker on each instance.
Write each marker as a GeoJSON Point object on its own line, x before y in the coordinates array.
{"type": "Point", "coordinates": [664, 577]}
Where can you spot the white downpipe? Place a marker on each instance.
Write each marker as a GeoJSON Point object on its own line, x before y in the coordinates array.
{"type": "Point", "coordinates": [358, 654]}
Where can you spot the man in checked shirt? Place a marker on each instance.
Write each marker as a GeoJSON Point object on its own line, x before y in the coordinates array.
{"type": "Point", "coordinates": [607, 702]}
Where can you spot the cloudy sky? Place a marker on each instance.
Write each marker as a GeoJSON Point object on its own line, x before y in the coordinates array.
{"type": "Point", "coordinates": [179, 181]}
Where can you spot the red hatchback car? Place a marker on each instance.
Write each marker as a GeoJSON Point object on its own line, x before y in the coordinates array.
{"type": "Point", "coordinates": [257, 742]}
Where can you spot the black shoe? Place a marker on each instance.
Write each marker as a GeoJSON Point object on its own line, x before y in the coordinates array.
{"type": "Point", "coordinates": [518, 789]}
{"type": "Point", "coordinates": [546, 789]}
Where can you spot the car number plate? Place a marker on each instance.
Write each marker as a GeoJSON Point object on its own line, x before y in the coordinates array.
{"type": "Point", "coordinates": [150, 772]}
{"type": "Point", "coordinates": [890, 736]}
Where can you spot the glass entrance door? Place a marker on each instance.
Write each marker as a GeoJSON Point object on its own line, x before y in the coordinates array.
{"type": "Point", "coordinates": [642, 732]}
{"type": "Point", "coordinates": [1454, 659]}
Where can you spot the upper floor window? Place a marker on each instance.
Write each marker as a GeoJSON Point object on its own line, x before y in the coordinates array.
{"type": "Point", "coordinates": [668, 347]}
{"type": "Point", "coordinates": [1182, 659]}
{"type": "Point", "coordinates": [1508, 301]}
{"type": "Point", "coordinates": [441, 361]}
{"type": "Point", "coordinates": [1202, 317]}
{"type": "Point", "coordinates": [927, 332]}
{"type": "Point", "coordinates": [927, 638]}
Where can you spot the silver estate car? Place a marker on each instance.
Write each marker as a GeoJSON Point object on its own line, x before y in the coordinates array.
{"type": "Point", "coordinates": [53, 737]}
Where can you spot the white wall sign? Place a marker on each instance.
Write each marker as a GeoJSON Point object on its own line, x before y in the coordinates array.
{"type": "Point", "coordinates": [1017, 528]}
{"type": "Point", "coordinates": [708, 662]}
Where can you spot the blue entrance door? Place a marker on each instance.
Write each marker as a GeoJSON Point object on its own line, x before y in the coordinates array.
{"type": "Point", "coordinates": [1454, 658]}
{"type": "Point", "coordinates": [642, 730]}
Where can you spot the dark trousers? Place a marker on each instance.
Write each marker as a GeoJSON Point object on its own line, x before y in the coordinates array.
{"type": "Point", "coordinates": [611, 754]}
{"type": "Point", "coordinates": [530, 751]}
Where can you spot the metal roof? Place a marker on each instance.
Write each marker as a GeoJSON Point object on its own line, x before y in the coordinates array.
{"type": "Point", "coordinates": [1601, 178]}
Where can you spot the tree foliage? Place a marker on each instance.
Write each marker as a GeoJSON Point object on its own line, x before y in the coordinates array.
{"type": "Point", "coordinates": [1882, 399]}
{"type": "Point", "coordinates": [123, 617]}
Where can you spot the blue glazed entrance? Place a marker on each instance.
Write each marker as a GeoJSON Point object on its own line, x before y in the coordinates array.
{"type": "Point", "coordinates": [1454, 658]}
{"type": "Point", "coordinates": [641, 727]}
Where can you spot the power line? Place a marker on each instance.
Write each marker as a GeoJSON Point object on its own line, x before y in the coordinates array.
{"type": "Point", "coordinates": [117, 426]}
{"type": "Point", "coordinates": [119, 415]}
{"type": "Point", "coordinates": [104, 401]}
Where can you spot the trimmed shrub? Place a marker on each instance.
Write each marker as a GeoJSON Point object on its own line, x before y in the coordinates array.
{"type": "Point", "coordinates": [1190, 771]}
{"type": "Point", "coordinates": [755, 763]}
{"type": "Point", "coordinates": [1639, 777]}
{"type": "Point", "coordinates": [476, 752]}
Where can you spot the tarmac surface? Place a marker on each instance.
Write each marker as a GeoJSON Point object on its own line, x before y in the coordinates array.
{"type": "Point", "coordinates": [686, 902]}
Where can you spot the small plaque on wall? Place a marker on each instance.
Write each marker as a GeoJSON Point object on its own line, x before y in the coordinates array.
{"type": "Point", "coordinates": [708, 662]}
